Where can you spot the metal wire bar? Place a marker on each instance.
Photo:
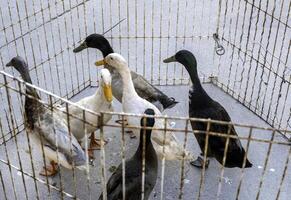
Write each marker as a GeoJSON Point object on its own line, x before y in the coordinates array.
{"type": "Point", "coordinates": [223, 161]}
{"type": "Point", "coordinates": [30, 149]}
{"type": "Point", "coordinates": [284, 173]}
{"type": "Point", "coordinates": [255, 59]}
{"type": "Point", "coordinates": [8, 162]}
{"type": "Point", "coordinates": [102, 158]}
{"type": "Point", "coordinates": [26, 18]}
{"type": "Point", "coordinates": [168, 41]}
{"type": "Point", "coordinates": [43, 24]}
{"type": "Point", "coordinates": [87, 156]}
{"type": "Point", "coordinates": [57, 150]}
{"type": "Point", "coordinates": [163, 159]}
{"type": "Point", "coordinates": [182, 173]}
{"type": "Point", "coordinates": [63, 63]}
{"type": "Point", "coordinates": [265, 57]}
{"type": "Point", "coordinates": [205, 151]}
{"type": "Point", "coordinates": [143, 163]}
{"type": "Point", "coordinates": [126, 114]}
{"type": "Point", "coordinates": [284, 72]}
{"type": "Point", "coordinates": [3, 185]}
{"type": "Point", "coordinates": [272, 59]}
{"type": "Point", "coordinates": [15, 139]}
{"type": "Point", "coordinates": [79, 30]}
{"type": "Point", "coordinates": [268, 14]}
{"type": "Point", "coordinates": [244, 163]}
{"type": "Point", "coordinates": [38, 179]}
{"type": "Point", "coordinates": [247, 41]}
{"type": "Point", "coordinates": [123, 157]}
{"type": "Point", "coordinates": [265, 165]}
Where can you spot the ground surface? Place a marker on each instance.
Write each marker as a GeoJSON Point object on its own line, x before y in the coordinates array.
{"type": "Point", "coordinates": [230, 180]}
{"type": "Point", "coordinates": [45, 33]}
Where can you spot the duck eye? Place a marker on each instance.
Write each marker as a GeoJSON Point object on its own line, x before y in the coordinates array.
{"type": "Point", "coordinates": [111, 58]}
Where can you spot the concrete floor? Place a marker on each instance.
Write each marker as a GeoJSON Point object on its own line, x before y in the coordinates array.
{"type": "Point", "coordinates": [89, 187]}
{"type": "Point", "coordinates": [191, 29]}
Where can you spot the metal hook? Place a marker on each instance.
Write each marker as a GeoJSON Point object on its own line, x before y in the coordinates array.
{"type": "Point", "coordinates": [219, 48]}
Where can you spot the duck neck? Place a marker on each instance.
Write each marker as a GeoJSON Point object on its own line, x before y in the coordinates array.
{"type": "Point", "coordinates": [26, 77]}
{"type": "Point", "coordinates": [106, 50]}
{"type": "Point", "coordinates": [100, 93]}
{"type": "Point", "coordinates": [128, 87]}
{"type": "Point", "coordinates": [148, 143]}
{"type": "Point", "coordinates": [199, 97]}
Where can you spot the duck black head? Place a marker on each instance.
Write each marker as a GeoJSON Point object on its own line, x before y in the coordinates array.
{"type": "Point", "coordinates": [21, 66]}
{"type": "Point", "coordinates": [184, 57]}
{"type": "Point", "coordinates": [147, 122]}
{"type": "Point", "coordinates": [96, 41]}
{"type": "Point", "coordinates": [187, 59]}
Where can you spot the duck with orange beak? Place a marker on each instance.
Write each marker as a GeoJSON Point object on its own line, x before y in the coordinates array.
{"type": "Point", "coordinates": [101, 101]}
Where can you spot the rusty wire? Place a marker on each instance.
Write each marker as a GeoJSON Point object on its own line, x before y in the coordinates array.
{"type": "Point", "coordinates": [238, 48]}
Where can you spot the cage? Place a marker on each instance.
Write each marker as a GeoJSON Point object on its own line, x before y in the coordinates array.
{"type": "Point", "coordinates": [242, 48]}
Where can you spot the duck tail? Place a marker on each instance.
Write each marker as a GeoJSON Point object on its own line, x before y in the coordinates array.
{"type": "Point", "coordinates": [248, 164]}
{"type": "Point", "coordinates": [169, 102]}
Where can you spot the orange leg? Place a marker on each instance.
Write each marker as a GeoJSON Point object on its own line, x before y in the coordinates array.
{"type": "Point", "coordinates": [95, 144]}
{"type": "Point", "coordinates": [50, 170]}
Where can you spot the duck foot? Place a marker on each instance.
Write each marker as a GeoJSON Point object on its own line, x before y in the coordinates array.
{"type": "Point", "coordinates": [131, 134]}
{"type": "Point", "coordinates": [95, 144]}
{"type": "Point", "coordinates": [50, 170]}
{"type": "Point", "coordinates": [120, 121]}
{"type": "Point", "coordinates": [199, 162]}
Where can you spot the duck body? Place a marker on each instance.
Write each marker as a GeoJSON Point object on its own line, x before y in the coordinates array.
{"type": "Point", "coordinates": [213, 110]}
{"type": "Point", "coordinates": [98, 102]}
{"type": "Point", "coordinates": [143, 88]}
{"type": "Point", "coordinates": [47, 129]}
{"type": "Point", "coordinates": [133, 170]}
{"type": "Point", "coordinates": [201, 105]}
{"type": "Point", "coordinates": [95, 103]}
{"type": "Point", "coordinates": [133, 103]}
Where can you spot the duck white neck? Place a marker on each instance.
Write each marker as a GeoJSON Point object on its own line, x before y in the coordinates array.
{"type": "Point", "coordinates": [100, 92]}
{"type": "Point", "coordinates": [128, 87]}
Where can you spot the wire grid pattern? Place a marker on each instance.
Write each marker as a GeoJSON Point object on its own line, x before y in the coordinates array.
{"type": "Point", "coordinates": [45, 32]}
{"type": "Point", "coordinates": [257, 42]}
{"type": "Point", "coordinates": [20, 161]}
{"type": "Point", "coordinates": [255, 34]}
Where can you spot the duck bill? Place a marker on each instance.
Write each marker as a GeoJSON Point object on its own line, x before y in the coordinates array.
{"type": "Point", "coordinates": [107, 92]}
{"type": "Point", "coordinates": [9, 64]}
{"type": "Point", "coordinates": [170, 59]}
{"type": "Point", "coordinates": [80, 47]}
{"type": "Point", "coordinates": [100, 63]}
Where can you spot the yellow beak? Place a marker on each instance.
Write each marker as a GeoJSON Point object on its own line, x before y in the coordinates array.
{"type": "Point", "coordinates": [100, 62]}
{"type": "Point", "coordinates": [107, 92]}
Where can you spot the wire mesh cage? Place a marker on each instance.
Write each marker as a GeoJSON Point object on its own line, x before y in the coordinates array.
{"type": "Point", "coordinates": [241, 46]}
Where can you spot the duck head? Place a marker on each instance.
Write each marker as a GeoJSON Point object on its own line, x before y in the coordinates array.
{"type": "Point", "coordinates": [21, 66]}
{"type": "Point", "coordinates": [184, 57]}
{"type": "Point", "coordinates": [96, 41]}
{"type": "Point", "coordinates": [105, 83]}
{"type": "Point", "coordinates": [115, 60]}
{"type": "Point", "coordinates": [148, 121]}
{"type": "Point", "coordinates": [18, 63]}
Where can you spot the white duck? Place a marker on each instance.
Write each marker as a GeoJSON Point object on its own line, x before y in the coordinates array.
{"type": "Point", "coordinates": [100, 101]}
{"type": "Point", "coordinates": [132, 103]}
{"type": "Point", "coordinates": [47, 129]}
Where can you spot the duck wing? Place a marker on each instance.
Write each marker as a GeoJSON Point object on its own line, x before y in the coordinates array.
{"type": "Point", "coordinates": [152, 94]}
{"type": "Point", "coordinates": [235, 151]}
{"type": "Point", "coordinates": [54, 133]}
{"type": "Point", "coordinates": [132, 178]}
